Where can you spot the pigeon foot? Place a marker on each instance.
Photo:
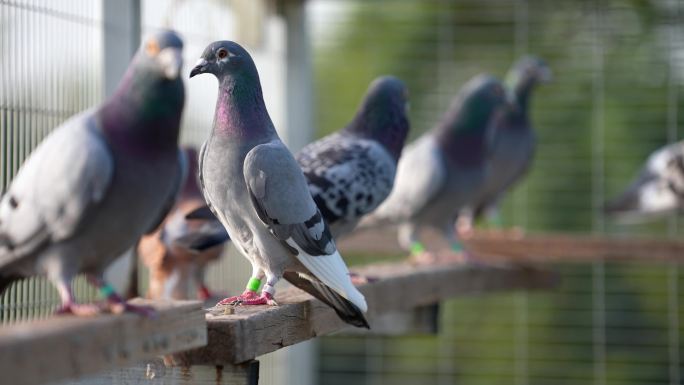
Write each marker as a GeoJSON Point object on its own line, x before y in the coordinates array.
{"type": "Point", "coordinates": [245, 296]}
{"type": "Point", "coordinates": [125, 307]}
{"type": "Point", "coordinates": [424, 258]}
{"type": "Point", "coordinates": [203, 293]}
{"type": "Point", "coordinates": [263, 299]}
{"type": "Point", "coordinates": [360, 279]}
{"type": "Point", "coordinates": [462, 256]}
{"type": "Point", "coordinates": [80, 309]}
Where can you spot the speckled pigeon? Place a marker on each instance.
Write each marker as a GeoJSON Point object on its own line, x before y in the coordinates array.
{"type": "Point", "coordinates": [256, 188]}
{"type": "Point", "coordinates": [514, 139]}
{"type": "Point", "coordinates": [98, 181]}
{"type": "Point", "coordinates": [657, 190]}
{"type": "Point", "coordinates": [191, 237]}
{"type": "Point", "coordinates": [441, 171]}
{"type": "Point", "coordinates": [352, 171]}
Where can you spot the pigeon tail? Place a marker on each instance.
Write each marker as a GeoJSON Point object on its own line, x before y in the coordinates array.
{"type": "Point", "coordinates": [203, 241]}
{"type": "Point", "coordinates": [344, 308]}
{"type": "Point", "coordinates": [332, 271]}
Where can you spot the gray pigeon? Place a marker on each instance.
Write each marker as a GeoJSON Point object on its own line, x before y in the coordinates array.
{"type": "Point", "coordinates": [98, 181]}
{"type": "Point", "coordinates": [255, 187]}
{"type": "Point", "coordinates": [657, 190]}
{"type": "Point", "coordinates": [441, 171]}
{"type": "Point", "coordinates": [514, 140]}
{"type": "Point", "coordinates": [352, 171]}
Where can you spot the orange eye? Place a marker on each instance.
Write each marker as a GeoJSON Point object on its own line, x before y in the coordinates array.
{"type": "Point", "coordinates": [152, 47]}
{"type": "Point", "coordinates": [222, 53]}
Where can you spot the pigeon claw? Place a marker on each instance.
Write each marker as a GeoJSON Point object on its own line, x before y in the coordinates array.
{"type": "Point", "coordinates": [234, 300]}
{"type": "Point", "coordinates": [263, 299]}
{"type": "Point", "coordinates": [80, 309]}
{"type": "Point", "coordinates": [124, 307]}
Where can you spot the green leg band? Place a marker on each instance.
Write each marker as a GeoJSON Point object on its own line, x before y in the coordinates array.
{"type": "Point", "coordinates": [107, 290]}
{"type": "Point", "coordinates": [456, 247]}
{"type": "Point", "coordinates": [254, 284]}
{"type": "Point", "coordinates": [417, 248]}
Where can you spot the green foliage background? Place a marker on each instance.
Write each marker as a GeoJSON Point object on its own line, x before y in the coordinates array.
{"type": "Point", "coordinates": [614, 99]}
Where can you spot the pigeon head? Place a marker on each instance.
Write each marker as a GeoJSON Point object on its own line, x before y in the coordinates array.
{"type": "Point", "coordinates": [526, 73]}
{"type": "Point", "coordinates": [161, 54]}
{"type": "Point", "coordinates": [225, 59]}
{"type": "Point", "coordinates": [146, 107]}
{"type": "Point", "coordinates": [240, 107]}
{"type": "Point", "coordinates": [382, 115]}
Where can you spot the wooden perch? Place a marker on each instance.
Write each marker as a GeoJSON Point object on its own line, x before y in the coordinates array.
{"type": "Point", "coordinates": [253, 331]}
{"type": "Point", "coordinates": [517, 247]}
{"type": "Point", "coordinates": [540, 248]}
{"type": "Point", "coordinates": [61, 348]}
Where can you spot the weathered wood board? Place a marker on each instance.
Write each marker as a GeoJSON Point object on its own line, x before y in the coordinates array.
{"type": "Point", "coordinates": [253, 331]}
{"type": "Point", "coordinates": [540, 248]}
{"type": "Point", "coordinates": [154, 372]}
{"type": "Point", "coordinates": [68, 347]}
{"type": "Point", "coordinates": [517, 247]}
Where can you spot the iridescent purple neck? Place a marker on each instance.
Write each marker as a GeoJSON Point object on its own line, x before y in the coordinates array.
{"type": "Point", "coordinates": [144, 113]}
{"type": "Point", "coordinates": [241, 111]}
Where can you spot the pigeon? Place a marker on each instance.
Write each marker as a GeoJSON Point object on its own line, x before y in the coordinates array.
{"type": "Point", "coordinates": [513, 142]}
{"type": "Point", "coordinates": [99, 181]}
{"type": "Point", "coordinates": [191, 237]}
{"type": "Point", "coordinates": [441, 171]}
{"type": "Point", "coordinates": [351, 172]}
{"type": "Point", "coordinates": [657, 190]}
{"type": "Point", "coordinates": [258, 191]}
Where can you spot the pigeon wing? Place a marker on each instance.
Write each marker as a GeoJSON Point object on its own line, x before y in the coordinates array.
{"type": "Point", "coordinates": [65, 176]}
{"type": "Point", "coordinates": [282, 201]}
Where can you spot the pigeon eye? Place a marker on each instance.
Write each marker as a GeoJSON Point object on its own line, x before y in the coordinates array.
{"type": "Point", "coordinates": [222, 53]}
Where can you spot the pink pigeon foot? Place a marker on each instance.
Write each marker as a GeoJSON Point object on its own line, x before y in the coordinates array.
{"type": "Point", "coordinates": [360, 279]}
{"type": "Point", "coordinates": [80, 309]}
{"type": "Point", "coordinates": [264, 299]}
{"type": "Point", "coordinates": [245, 296]}
{"type": "Point", "coordinates": [203, 293]}
{"type": "Point", "coordinates": [117, 307]}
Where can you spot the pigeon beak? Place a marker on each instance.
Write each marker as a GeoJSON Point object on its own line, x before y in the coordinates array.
{"type": "Point", "coordinates": [200, 67]}
{"type": "Point", "coordinates": [171, 60]}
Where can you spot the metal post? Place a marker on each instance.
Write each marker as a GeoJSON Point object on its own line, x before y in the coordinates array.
{"type": "Point", "coordinates": [121, 36]}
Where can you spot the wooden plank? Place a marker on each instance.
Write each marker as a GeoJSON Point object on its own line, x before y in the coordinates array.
{"type": "Point", "coordinates": [540, 248]}
{"type": "Point", "coordinates": [257, 330]}
{"type": "Point", "coordinates": [71, 347]}
{"type": "Point", "coordinates": [515, 246]}
{"type": "Point", "coordinates": [154, 372]}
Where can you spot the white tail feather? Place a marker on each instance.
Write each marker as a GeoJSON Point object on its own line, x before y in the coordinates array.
{"type": "Point", "coordinates": [332, 271]}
